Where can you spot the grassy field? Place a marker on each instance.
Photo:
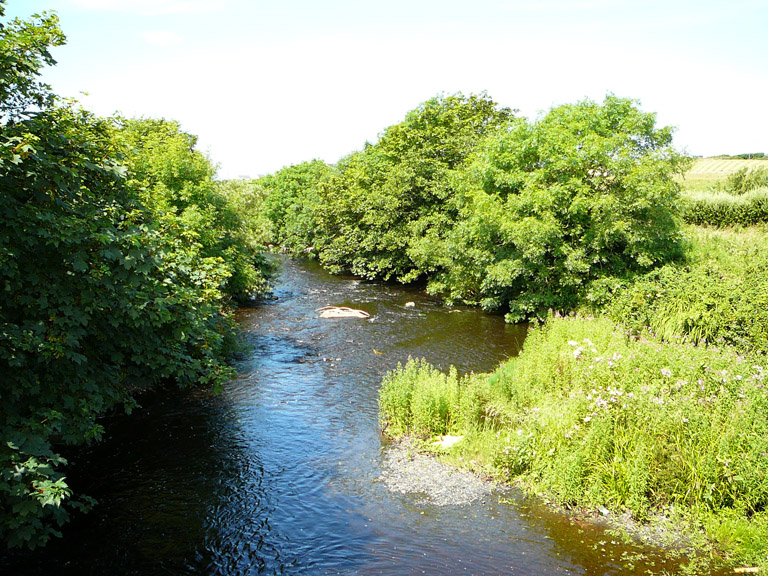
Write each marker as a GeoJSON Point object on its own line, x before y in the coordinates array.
{"type": "Point", "coordinates": [706, 173]}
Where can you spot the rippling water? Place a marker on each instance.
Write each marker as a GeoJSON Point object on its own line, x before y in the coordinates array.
{"type": "Point", "coordinates": [278, 474]}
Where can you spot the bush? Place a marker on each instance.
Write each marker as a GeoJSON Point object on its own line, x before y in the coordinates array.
{"type": "Point", "coordinates": [746, 180]}
{"type": "Point", "coordinates": [175, 182]}
{"type": "Point", "coordinates": [292, 203]}
{"type": "Point", "coordinates": [418, 399]}
{"type": "Point", "coordinates": [719, 296]}
{"type": "Point", "coordinates": [724, 209]}
{"type": "Point", "coordinates": [387, 204]}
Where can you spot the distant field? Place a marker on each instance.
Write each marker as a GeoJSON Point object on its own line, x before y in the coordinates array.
{"type": "Point", "coordinates": [720, 168]}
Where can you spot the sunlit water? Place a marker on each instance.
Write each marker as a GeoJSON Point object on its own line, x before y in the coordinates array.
{"type": "Point", "coordinates": [279, 473]}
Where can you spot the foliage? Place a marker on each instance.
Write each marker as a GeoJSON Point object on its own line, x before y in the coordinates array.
{"type": "Point", "coordinates": [292, 204]}
{"type": "Point", "coordinates": [388, 202]}
{"type": "Point", "coordinates": [24, 50]}
{"type": "Point", "coordinates": [176, 182]}
{"type": "Point", "coordinates": [246, 198]}
{"type": "Point", "coordinates": [110, 285]}
{"type": "Point", "coordinates": [718, 296]}
{"type": "Point", "coordinates": [418, 399]}
{"type": "Point", "coordinates": [593, 417]}
{"type": "Point", "coordinates": [746, 179]}
{"type": "Point", "coordinates": [726, 209]}
{"type": "Point", "coordinates": [584, 192]}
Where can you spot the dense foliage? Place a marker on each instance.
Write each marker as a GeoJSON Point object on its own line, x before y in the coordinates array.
{"type": "Point", "coordinates": [719, 296]}
{"type": "Point", "coordinates": [386, 204]}
{"type": "Point", "coordinates": [176, 182]}
{"type": "Point", "coordinates": [112, 248]}
{"type": "Point", "coordinates": [582, 193]}
{"type": "Point", "coordinates": [594, 418]}
{"type": "Point", "coordinates": [491, 209]}
{"type": "Point", "coordinates": [292, 204]}
{"type": "Point", "coordinates": [726, 209]}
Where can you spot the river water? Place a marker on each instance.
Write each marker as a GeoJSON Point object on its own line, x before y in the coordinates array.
{"type": "Point", "coordinates": [279, 473]}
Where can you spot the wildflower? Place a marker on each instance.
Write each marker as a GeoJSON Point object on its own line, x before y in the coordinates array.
{"type": "Point", "coordinates": [587, 418]}
{"type": "Point", "coordinates": [572, 343]}
{"type": "Point", "coordinates": [666, 372]}
{"type": "Point", "coordinates": [577, 352]}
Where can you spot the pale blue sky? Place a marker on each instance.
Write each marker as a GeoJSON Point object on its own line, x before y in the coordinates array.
{"type": "Point", "coordinates": [269, 84]}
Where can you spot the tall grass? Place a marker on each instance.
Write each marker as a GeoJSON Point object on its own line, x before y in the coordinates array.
{"type": "Point", "coordinates": [593, 416]}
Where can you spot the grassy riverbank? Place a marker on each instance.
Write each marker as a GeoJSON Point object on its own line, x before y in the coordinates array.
{"type": "Point", "coordinates": [590, 416]}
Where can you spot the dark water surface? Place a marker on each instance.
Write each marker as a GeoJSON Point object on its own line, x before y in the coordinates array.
{"type": "Point", "coordinates": [278, 474]}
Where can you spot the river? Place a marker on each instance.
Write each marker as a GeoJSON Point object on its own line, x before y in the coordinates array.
{"type": "Point", "coordinates": [279, 473]}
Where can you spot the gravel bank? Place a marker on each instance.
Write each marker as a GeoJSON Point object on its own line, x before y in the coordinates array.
{"type": "Point", "coordinates": [406, 471]}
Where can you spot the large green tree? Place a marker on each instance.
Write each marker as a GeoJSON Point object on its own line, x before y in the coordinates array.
{"type": "Point", "coordinates": [390, 200]}
{"type": "Point", "coordinates": [292, 204]}
{"type": "Point", "coordinates": [550, 206]}
{"type": "Point", "coordinates": [176, 182]}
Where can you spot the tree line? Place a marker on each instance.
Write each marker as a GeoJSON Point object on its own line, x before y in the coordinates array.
{"type": "Point", "coordinates": [488, 208]}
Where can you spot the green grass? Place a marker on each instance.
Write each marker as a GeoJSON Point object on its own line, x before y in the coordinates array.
{"type": "Point", "coordinates": [718, 295]}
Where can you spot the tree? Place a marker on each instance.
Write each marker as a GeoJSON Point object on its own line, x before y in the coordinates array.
{"type": "Point", "coordinates": [24, 50]}
{"type": "Point", "coordinates": [292, 203]}
{"type": "Point", "coordinates": [102, 296]}
{"type": "Point", "coordinates": [548, 207]}
{"type": "Point", "coordinates": [390, 201]}
{"type": "Point", "coordinates": [176, 182]}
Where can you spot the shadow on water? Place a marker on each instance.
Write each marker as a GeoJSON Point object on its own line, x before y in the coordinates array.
{"type": "Point", "coordinates": [278, 474]}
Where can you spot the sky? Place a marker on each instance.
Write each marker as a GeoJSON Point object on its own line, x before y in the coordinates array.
{"type": "Point", "coordinates": [266, 84]}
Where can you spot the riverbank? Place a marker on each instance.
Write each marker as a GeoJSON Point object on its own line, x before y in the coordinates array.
{"type": "Point", "coordinates": [592, 418]}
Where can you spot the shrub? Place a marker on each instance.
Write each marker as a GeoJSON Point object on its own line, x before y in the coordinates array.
{"type": "Point", "coordinates": [718, 296]}
{"type": "Point", "coordinates": [746, 180]}
{"type": "Point", "coordinates": [387, 204]}
{"type": "Point", "coordinates": [724, 209]}
{"type": "Point", "coordinates": [418, 399]}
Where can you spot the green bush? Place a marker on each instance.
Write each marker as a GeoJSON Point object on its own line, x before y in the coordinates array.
{"type": "Point", "coordinates": [584, 192]}
{"type": "Point", "coordinates": [387, 204]}
{"type": "Point", "coordinates": [746, 180]}
{"type": "Point", "coordinates": [176, 183]}
{"type": "Point", "coordinates": [718, 296]}
{"type": "Point", "coordinates": [418, 399]}
{"type": "Point", "coordinates": [113, 278]}
{"type": "Point", "coordinates": [724, 209]}
{"type": "Point", "coordinates": [292, 203]}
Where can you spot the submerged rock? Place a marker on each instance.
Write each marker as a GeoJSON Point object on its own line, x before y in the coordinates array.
{"type": "Point", "coordinates": [341, 312]}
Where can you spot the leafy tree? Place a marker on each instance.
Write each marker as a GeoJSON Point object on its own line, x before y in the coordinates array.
{"type": "Point", "coordinates": [292, 203]}
{"type": "Point", "coordinates": [389, 201]}
{"type": "Point", "coordinates": [24, 50]}
{"type": "Point", "coordinates": [176, 182]}
{"type": "Point", "coordinates": [109, 286]}
{"type": "Point", "coordinates": [582, 193]}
